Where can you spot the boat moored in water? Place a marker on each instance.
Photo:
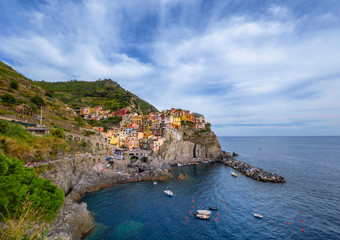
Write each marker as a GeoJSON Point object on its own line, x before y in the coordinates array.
{"type": "Point", "coordinates": [203, 212]}
{"type": "Point", "coordinates": [202, 216]}
{"type": "Point", "coordinates": [213, 208]}
{"type": "Point", "coordinates": [169, 193]}
{"type": "Point", "coordinates": [233, 174]}
{"type": "Point", "coordinates": [154, 183]}
{"type": "Point", "coordinates": [258, 215]}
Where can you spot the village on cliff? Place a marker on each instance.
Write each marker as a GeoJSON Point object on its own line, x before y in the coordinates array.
{"type": "Point", "coordinates": [143, 132]}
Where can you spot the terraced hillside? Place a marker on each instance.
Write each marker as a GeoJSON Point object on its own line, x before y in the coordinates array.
{"type": "Point", "coordinates": [106, 93]}
{"type": "Point", "coordinates": [21, 99]}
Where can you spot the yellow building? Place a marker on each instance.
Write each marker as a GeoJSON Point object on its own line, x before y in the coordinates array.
{"type": "Point", "coordinates": [140, 135]}
{"type": "Point", "coordinates": [176, 121]}
{"type": "Point", "coordinates": [184, 118]}
{"type": "Point", "coordinates": [114, 139]}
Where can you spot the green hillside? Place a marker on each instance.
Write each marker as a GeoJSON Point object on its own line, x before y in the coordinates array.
{"type": "Point", "coordinates": [21, 99]}
{"type": "Point", "coordinates": [106, 93]}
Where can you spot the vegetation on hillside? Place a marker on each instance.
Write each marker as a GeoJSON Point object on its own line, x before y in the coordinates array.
{"type": "Point", "coordinates": [19, 143]}
{"type": "Point", "coordinates": [21, 99]}
{"type": "Point", "coordinates": [106, 93]}
{"type": "Point", "coordinates": [18, 183]}
{"type": "Point", "coordinates": [26, 223]}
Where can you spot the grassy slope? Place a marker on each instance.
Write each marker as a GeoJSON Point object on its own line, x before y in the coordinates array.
{"type": "Point", "coordinates": [106, 93]}
{"type": "Point", "coordinates": [55, 112]}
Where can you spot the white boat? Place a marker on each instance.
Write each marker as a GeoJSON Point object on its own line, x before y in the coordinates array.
{"type": "Point", "coordinates": [203, 212]}
{"type": "Point", "coordinates": [202, 216]}
{"type": "Point", "coordinates": [154, 183]}
{"type": "Point", "coordinates": [169, 193]}
{"type": "Point", "coordinates": [258, 215]}
{"type": "Point", "coordinates": [233, 174]}
{"type": "Point", "coordinates": [179, 165]}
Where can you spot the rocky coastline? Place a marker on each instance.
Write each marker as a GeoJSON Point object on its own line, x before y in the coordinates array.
{"type": "Point", "coordinates": [77, 177]}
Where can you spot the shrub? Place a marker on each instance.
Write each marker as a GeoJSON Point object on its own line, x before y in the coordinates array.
{"type": "Point", "coordinates": [58, 133]}
{"type": "Point", "coordinates": [144, 159]}
{"type": "Point", "coordinates": [4, 125]}
{"type": "Point", "coordinates": [17, 182]}
{"type": "Point", "coordinates": [208, 126]}
{"type": "Point", "coordinates": [25, 221]}
{"type": "Point", "coordinates": [14, 85]}
{"type": "Point", "coordinates": [39, 101]}
{"type": "Point", "coordinates": [80, 121]}
{"type": "Point", "coordinates": [16, 131]}
{"type": "Point", "coordinates": [8, 98]}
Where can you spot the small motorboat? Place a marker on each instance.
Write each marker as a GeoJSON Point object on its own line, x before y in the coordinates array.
{"type": "Point", "coordinates": [154, 183]}
{"type": "Point", "coordinates": [179, 165]}
{"type": "Point", "coordinates": [233, 174]}
{"type": "Point", "coordinates": [203, 212]}
{"type": "Point", "coordinates": [258, 215]}
{"type": "Point", "coordinates": [169, 193]}
{"type": "Point", "coordinates": [213, 208]}
{"type": "Point", "coordinates": [202, 216]}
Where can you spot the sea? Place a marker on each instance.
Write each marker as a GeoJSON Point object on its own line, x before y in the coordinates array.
{"type": "Point", "coordinates": [307, 206]}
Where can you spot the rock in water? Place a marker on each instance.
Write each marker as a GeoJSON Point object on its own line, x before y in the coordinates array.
{"type": "Point", "coordinates": [235, 154]}
{"type": "Point", "coordinates": [181, 176]}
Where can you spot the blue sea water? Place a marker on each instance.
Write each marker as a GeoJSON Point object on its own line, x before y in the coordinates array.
{"type": "Point", "coordinates": [310, 165]}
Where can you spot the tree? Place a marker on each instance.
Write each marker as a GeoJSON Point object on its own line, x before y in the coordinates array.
{"type": "Point", "coordinates": [17, 182]}
{"type": "Point", "coordinates": [14, 85]}
{"type": "Point", "coordinates": [37, 100]}
{"type": "Point", "coordinates": [57, 132]}
{"type": "Point", "coordinates": [8, 98]}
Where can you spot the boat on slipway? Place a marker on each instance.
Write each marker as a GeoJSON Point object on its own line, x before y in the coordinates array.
{"type": "Point", "coordinates": [169, 193]}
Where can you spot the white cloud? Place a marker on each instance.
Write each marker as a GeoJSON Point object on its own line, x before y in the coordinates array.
{"type": "Point", "coordinates": [236, 69]}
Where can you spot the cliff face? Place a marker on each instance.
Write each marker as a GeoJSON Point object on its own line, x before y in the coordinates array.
{"type": "Point", "coordinates": [192, 145]}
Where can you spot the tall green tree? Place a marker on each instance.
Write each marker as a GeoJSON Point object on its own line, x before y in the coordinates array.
{"type": "Point", "coordinates": [17, 182]}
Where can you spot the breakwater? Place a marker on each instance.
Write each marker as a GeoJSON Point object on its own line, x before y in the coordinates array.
{"type": "Point", "coordinates": [253, 172]}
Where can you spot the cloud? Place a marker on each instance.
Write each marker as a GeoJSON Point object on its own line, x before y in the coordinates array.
{"type": "Point", "coordinates": [249, 69]}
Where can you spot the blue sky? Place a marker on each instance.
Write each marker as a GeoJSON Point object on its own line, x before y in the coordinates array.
{"type": "Point", "coordinates": [257, 67]}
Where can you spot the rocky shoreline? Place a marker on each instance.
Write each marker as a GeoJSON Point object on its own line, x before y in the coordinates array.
{"type": "Point", "coordinates": [250, 171]}
{"type": "Point", "coordinates": [77, 177]}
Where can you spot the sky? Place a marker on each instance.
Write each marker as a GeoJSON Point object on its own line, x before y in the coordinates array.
{"type": "Point", "coordinates": [253, 68]}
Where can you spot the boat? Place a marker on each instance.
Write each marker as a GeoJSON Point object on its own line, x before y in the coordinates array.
{"type": "Point", "coordinates": [203, 212]}
{"type": "Point", "coordinates": [213, 208]}
{"type": "Point", "coordinates": [169, 193]}
{"type": "Point", "coordinates": [179, 165]}
{"type": "Point", "coordinates": [258, 215]}
{"type": "Point", "coordinates": [154, 183]}
{"type": "Point", "coordinates": [233, 174]}
{"type": "Point", "coordinates": [202, 216]}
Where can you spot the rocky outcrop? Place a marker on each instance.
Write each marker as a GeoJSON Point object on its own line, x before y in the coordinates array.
{"type": "Point", "coordinates": [253, 172]}
{"type": "Point", "coordinates": [72, 222]}
{"type": "Point", "coordinates": [235, 154]}
{"type": "Point", "coordinates": [199, 145]}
